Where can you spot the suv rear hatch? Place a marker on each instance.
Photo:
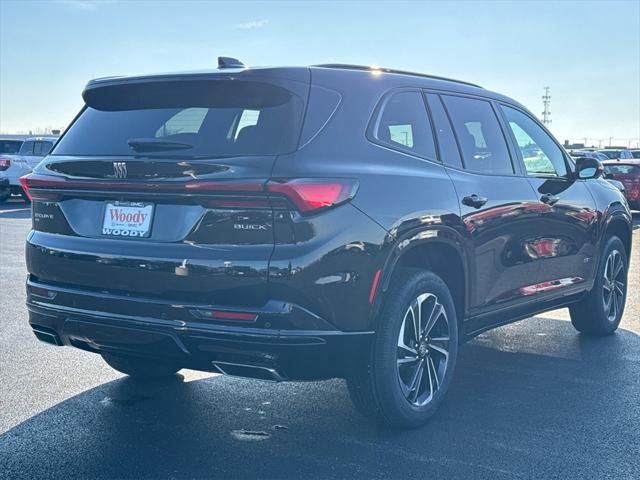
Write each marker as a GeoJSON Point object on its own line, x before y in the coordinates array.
{"type": "Point", "coordinates": [158, 187]}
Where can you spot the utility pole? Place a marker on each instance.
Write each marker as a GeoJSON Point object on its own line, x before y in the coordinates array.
{"type": "Point", "coordinates": [546, 101]}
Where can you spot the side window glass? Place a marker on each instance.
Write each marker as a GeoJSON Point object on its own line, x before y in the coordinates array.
{"type": "Point", "coordinates": [484, 148]}
{"type": "Point", "coordinates": [403, 124]}
{"type": "Point", "coordinates": [540, 154]}
{"type": "Point", "coordinates": [27, 148]}
{"type": "Point", "coordinates": [46, 148]}
{"type": "Point", "coordinates": [446, 139]}
{"type": "Point", "coordinates": [187, 120]}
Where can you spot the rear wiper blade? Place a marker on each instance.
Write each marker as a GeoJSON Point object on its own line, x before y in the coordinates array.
{"type": "Point", "coordinates": [154, 144]}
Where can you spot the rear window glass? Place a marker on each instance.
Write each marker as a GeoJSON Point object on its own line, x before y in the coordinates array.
{"type": "Point", "coordinates": [10, 146]}
{"type": "Point", "coordinates": [621, 169]}
{"type": "Point", "coordinates": [197, 118]}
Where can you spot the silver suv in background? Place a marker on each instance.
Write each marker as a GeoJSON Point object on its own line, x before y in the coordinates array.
{"type": "Point", "coordinates": [14, 166]}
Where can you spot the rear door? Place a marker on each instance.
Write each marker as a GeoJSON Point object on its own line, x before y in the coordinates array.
{"type": "Point", "coordinates": [158, 190]}
{"type": "Point", "coordinates": [566, 232]}
{"type": "Point", "coordinates": [497, 203]}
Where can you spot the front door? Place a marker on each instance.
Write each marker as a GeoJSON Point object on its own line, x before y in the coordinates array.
{"type": "Point", "coordinates": [566, 233]}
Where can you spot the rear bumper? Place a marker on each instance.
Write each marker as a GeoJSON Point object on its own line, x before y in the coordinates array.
{"type": "Point", "coordinates": [285, 342]}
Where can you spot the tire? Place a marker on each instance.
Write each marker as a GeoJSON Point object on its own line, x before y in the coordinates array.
{"type": "Point", "coordinates": [4, 198]}
{"type": "Point", "coordinates": [382, 388]}
{"type": "Point", "coordinates": [140, 368]}
{"type": "Point", "coordinates": [594, 315]}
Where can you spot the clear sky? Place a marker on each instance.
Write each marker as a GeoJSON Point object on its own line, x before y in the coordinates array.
{"type": "Point", "coordinates": [587, 52]}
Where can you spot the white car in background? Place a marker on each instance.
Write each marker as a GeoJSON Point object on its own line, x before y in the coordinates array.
{"type": "Point", "coordinates": [12, 167]}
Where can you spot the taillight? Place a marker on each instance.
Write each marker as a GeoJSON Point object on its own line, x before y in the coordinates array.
{"type": "Point", "coordinates": [306, 194]}
{"type": "Point", "coordinates": [311, 194]}
{"type": "Point", "coordinates": [25, 187]}
{"type": "Point", "coordinates": [5, 163]}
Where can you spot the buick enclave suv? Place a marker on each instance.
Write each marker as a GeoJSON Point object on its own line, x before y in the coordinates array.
{"type": "Point", "coordinates": [316, 222]}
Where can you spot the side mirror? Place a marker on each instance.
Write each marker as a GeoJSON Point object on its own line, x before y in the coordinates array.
{"type": "Point", "coordinates": [588, 168]}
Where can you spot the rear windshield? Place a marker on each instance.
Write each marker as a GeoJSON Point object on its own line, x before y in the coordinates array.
{"type": "Point", "coordinates": [10, 146]}
{"type": "Point", "coordinates": [613, 154]}
{"type": "Point", "coordinates": [188, 118]}
{"type": "Point", "coordinates": [622, 169]}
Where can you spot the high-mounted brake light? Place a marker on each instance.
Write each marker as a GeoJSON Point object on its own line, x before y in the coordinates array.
{"type": "Point", "coordinates": [310, 194]}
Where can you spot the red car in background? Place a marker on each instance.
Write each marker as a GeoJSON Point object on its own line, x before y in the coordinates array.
{"type": "Point", "coordinates": [627, 172]}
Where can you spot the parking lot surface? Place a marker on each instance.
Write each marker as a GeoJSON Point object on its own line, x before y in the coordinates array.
{"type": "Point", "coordinates": [530, 400]}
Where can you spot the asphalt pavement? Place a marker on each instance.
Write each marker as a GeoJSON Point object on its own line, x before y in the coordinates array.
{"type": "Point", "coordinates": [533, 399]}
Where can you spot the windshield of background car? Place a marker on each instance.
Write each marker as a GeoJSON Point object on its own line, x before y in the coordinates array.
{"type": "Point", "coordinates": [186, 118]}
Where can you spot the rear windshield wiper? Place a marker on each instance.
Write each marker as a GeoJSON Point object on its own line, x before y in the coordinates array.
{"type": "Point", "coordinates": [155, 144]}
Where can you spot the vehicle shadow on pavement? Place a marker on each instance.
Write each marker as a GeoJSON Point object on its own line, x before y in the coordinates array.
{"type": "Point", "coordinates": [533, 399]}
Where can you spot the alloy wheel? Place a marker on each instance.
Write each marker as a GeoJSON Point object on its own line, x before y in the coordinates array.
{"type": "Point", "coordinates": [613, 285]}
{"type": "Point", "coordinates": [423, 349]}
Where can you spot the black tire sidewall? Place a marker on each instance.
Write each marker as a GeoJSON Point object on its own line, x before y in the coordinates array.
{"type": "Point", "coordinates": [394, 406]}
{"type": "Point", "coordinates": [613, 243]}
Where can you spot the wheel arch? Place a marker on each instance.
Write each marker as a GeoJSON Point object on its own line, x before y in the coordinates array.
{"type": "Point", "coordinates": [618, 223]}
{"type": "Point", "coordinates": [437, 249]}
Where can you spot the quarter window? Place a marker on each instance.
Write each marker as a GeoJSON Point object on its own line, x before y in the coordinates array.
{"type": "Point", "coordinates": [483, 146]}
{"type": "Point", "coordinates": [403, 124]}
{"type": "Point", "coordinates": [540, 154]}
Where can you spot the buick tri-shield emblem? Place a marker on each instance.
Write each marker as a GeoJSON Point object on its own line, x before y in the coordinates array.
{"type": "Point", "coordinates": [120, 169]}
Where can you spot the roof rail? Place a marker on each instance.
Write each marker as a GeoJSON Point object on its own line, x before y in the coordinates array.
{"type": "Point", "coordinates": [347, 66]}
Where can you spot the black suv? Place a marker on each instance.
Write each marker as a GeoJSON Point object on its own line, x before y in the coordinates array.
{"type": "Point", "coordinates": [314, 222]}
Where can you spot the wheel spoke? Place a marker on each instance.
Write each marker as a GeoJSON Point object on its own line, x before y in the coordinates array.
{"type": "Point", "coordinates": [416, 320]}
{"type": "Point", "coordinates": [440, 350]}
{"type": "Point", "coordinates": [435, 372]}
{"type": "Point", "coordinates": [619, 287]}
{"type": "Point", "coordinates": [431, 382]}
{"type": "Point", "coordinates": [618, 268]}
{"type": "Point", "coordinates": [406, 360]}
{"type": "Point", "coordinates": [439, 339]}
{"type": "Point", "coordinates": [433, 318]}
{"type": "Point", "coordinates": [401, 344]}
{"type": "Point", "coordinates": [607, 268]}
{"type": "Point", "coordinates": [414, 389]}
{"type": "Point", "coordinates": [613, 307]}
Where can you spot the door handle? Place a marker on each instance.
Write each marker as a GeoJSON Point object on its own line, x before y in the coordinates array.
{"type": "Point", "coordinates": [549, 199]}
{"type": "Point", "coordinates": [474, 201]}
